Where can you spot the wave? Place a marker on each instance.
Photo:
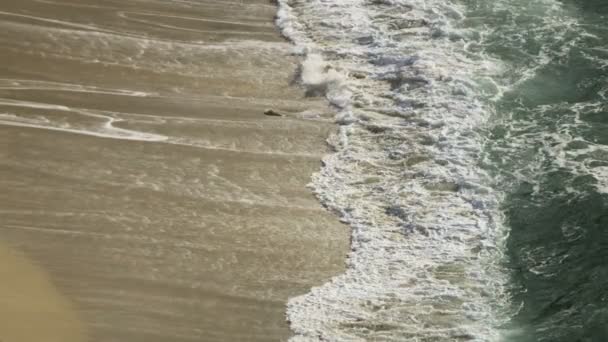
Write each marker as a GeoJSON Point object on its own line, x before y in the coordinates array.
{"type": "Point", "coordinates": [427, 233]}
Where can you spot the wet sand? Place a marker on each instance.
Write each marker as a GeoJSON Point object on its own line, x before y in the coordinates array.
{"type": "Point", "coordinates": [144, 196]}
{"type": "Point", "coordinates": [31, 307]}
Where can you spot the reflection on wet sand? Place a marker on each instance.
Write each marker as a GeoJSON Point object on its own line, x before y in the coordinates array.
{"type": "Point", "coordinates": [138, 170]}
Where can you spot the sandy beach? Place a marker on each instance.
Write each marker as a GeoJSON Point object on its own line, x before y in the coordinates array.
{"type": "Point", "coordinates": [144, 195]}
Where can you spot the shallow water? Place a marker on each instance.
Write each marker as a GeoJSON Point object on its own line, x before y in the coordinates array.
{"type": "Point", "coordinates": [139, 173]}
{"type": "Point", "coordinates": [29, 300]}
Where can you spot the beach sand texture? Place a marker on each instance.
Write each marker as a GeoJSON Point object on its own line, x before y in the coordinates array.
{"type": "Point", "coordinates": [144, 195]}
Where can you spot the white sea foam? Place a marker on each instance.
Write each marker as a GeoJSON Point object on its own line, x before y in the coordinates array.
{"type": "Point", "coordinates": [426, 233]}
{"type": "Point", "coordinates": [414, 92]}
{"type": "Point", "coordinates": [18, 84]}
{"type": "Point", "coordinates": [107, 132]}
{"type": "Point", "coordinates": [89, 122]}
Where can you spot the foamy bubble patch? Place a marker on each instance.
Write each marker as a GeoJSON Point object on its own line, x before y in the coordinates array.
{"type": "Point", "coordinates": [427, 236]}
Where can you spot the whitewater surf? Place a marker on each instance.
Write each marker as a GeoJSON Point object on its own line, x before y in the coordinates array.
{"type": "Point", "coordinates": [471, 136]}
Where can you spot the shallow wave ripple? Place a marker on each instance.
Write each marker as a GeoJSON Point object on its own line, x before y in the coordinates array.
{"type": "Point", "coordinates": [427, 240]}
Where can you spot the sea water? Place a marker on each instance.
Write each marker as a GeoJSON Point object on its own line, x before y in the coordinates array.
{"type": "Point", "coordinates": [471, 162]}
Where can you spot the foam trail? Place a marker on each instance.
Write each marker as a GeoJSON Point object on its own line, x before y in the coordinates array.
{"type": "Point", "coordinates": [17, 84]}
{"type": "Point", "coordinates": [104, 129]}
{"type": "Point", "coordinates": [109, 131]}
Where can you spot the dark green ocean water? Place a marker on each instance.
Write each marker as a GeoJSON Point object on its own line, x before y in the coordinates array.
{"type": "Point", "coordinates": [547, 148]}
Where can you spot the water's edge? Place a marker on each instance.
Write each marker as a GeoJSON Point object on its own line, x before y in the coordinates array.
{"type": "Point", "coordinates": [426, 253]}
{"type": "Point", "coordinates": [469, 161]}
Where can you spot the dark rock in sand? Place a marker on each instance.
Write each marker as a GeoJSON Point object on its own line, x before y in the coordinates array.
{"type": "Point", "coordinates": [270, 112]}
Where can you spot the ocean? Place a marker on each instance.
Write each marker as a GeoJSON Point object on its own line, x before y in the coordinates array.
{"type": "Point", "coordinates": [471, 163]}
